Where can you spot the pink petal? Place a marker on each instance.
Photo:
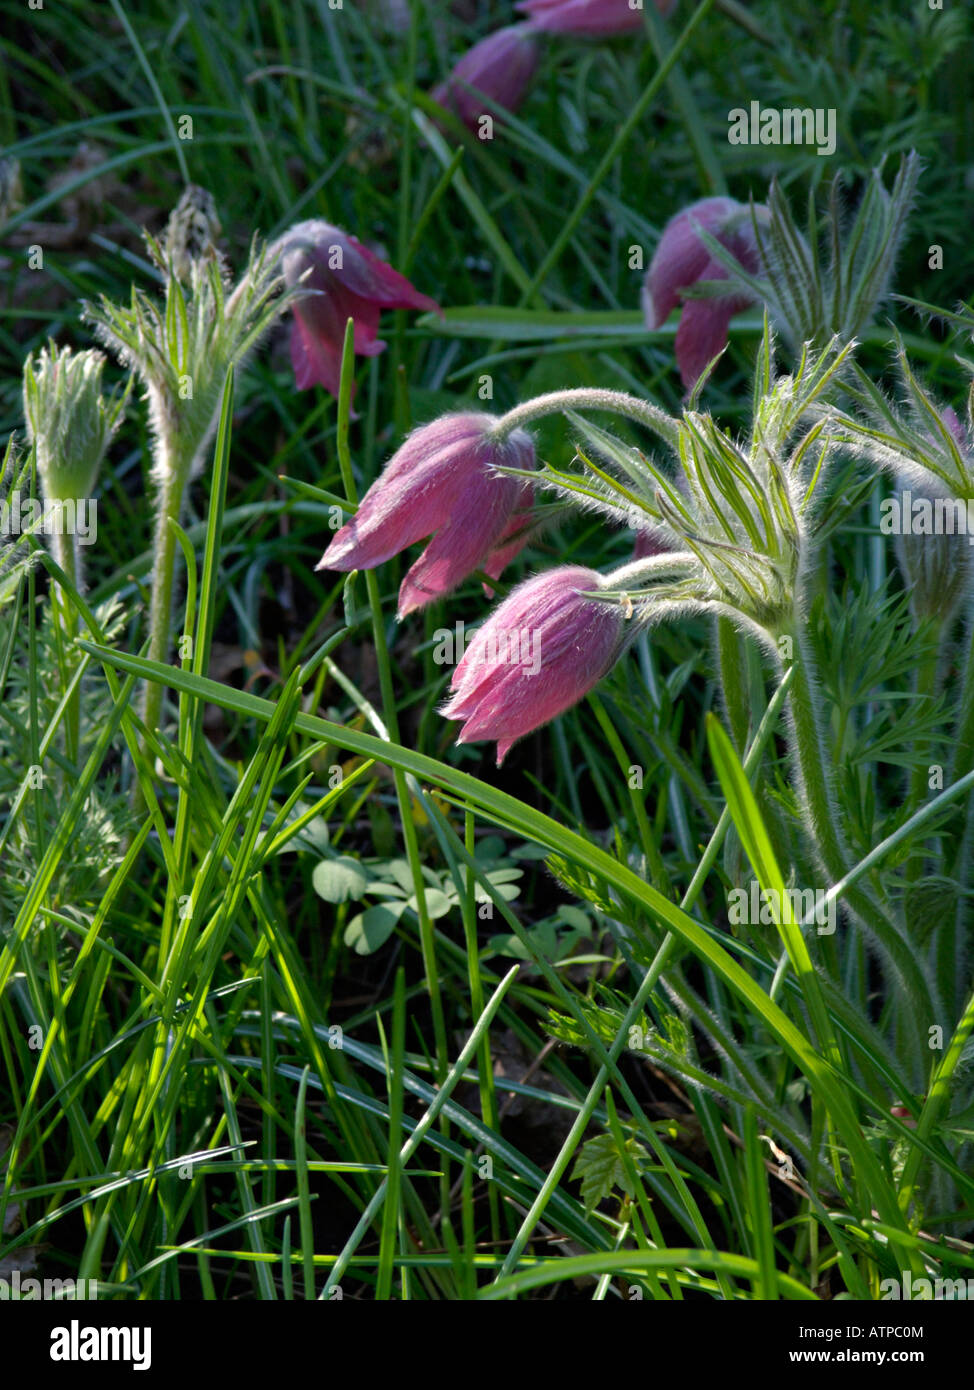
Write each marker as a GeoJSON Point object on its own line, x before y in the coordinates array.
{"type": "Point", "coordinates": [952, 423]}
{"type": "Point", "coordinates": [391, 517]}
{"type": "Point", "coordinates": [460, 545]}
{"type": "Point", "coordinates": [440, 476]}
{"type": "Point", "coordinates": [647, 546]}
{"type": "Point", "coordinates": [702, 334]}
{"type": "Point", "coordinates": [318, 334]}
{"type": "Point", "coordinates": [316, 361]}
{"type": "Point", "coordinates": [351, 283]}
{"type": "Point", "coordinates": [365, 274]}
{"type": "Point", "coordinates": [517, 700]}
{"type": "Point", "coordinates": [592, 18]}
{"type": "Point", "coordinates": [512, 540]}
{"type": "Point", "coordinates": [681, 258]}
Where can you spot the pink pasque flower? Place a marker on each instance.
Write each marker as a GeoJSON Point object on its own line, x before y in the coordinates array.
{"type": "Point", "coordinates": [536, 655]}
{"type": "Point", "coordinates": [681, 260]}
{"type": "Point", "coordinates": [499, 68]}
{"type": "Point", "coordinates": [443, 480]}
{"type": "Point", "coordinates": [593, 18]}
{"type": "Point", "coordinates": [351, 283]}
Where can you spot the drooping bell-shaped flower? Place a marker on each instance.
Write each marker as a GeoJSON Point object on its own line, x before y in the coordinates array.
{"type": "Point", "coordinates": [539, 653]}
{"type": "Point", "coordinates": [592, 18]}
{"type": "Point", "coordinates": [442, 479]}
{"type": "Point", "coordinates": [497, 71]}
{"type": "Point", "coordinates": [351, 282]}
{"type": "Point", "coordinates": [681, 261]}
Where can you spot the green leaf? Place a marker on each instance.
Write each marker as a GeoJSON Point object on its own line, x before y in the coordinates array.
{"type": "Point", "coordinates": [371, 929]}
{"type": "Point", "coordinates": [529, 851]}
{"type": "Point", "coordinates": [529, 325]}
{"type": "Point", "coordinates": [401, 873]}
{"type": "Point", "coordinates": [314, 836]}
{"type": "Point", "coordinates": [491, 847]}
{"type": "Point", "coordinates": [601, 1171]}
{"type": "Point", "coordinates": [506, 891]}
{"type": "Point", "coordinates": [544, 938]}
{"type": "Point", "coordinates": [378, 889]}
{"type": "Point", "coordinates": [576, 918]}
{"type": "Point", "coordinates": [583, 884]}
{"type": "Point", "coordinates": [338, 880]}
{"type": "Point", "coordinates": [506, 944]}
{"type": "Point", "coordinates": [743, 808]}
{"type": "Point", "coordinates": [496, 876]}
{"type": "Point", "coordinates": [350, 605]}
{"type": "Point", "coordinates": [437, 903]}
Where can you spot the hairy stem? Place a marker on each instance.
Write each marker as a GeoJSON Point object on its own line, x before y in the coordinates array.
{"type": "Point", "coordinates": [589, 398]}
{"type": "Point", "coordinates": [65, 548]}
{"type": "Point", "coordinates": [733, 680]}
{"type": "Point", "coordinates": [169, 501]}
{"type": "Point", "coordinates": [822, 816]}
{"type": "Point", "coordinates": [963, 760]}
{"type": "Point", "coordinates": [926, 690]}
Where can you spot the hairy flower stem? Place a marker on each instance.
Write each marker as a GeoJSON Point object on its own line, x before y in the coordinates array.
{"type": "Point", "coordinates": [65, 548]}
{"type": "Point", "coordinates": [963, 761]}
{"type": "Point", "coordinates": [811, 762]}
{"type": "Point", "coordinates": [588, 398]}
{"type": "Point", "coordinates": [169, 501]}
{"type": "Point", "coordinates": [733, 680]}
{"type": "Point", "coordinates": [926, 690]}
{"type": "Point", "coordinates": [957, 847]}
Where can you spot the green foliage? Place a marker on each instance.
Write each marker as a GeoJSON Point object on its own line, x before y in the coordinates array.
{"type": "Point", "coordinates": [601, 1169]}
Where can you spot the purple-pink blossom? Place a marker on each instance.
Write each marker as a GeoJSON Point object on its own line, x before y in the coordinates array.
{"type": "Point", "coordinates": [498, 69]}
{"type": "Point", "coordinates": [537, 654]}
{"type": "Point", "coordinates": [592, 18]}
{"type": "Point", "coordinates": [351, 283]}
{"type": "Point", "coordinates": [442, 479]}
{"type": "Point", "coordinates": [681, 261]}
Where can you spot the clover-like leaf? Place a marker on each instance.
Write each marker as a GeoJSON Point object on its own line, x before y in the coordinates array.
{"type": "Point", "coordinates": [371, 929]}
{"type": "Point", "coordinates": [341, 879]}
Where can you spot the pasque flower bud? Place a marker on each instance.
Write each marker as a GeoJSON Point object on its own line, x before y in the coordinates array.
{"type": "Point", "coordinates": [191, 232]}
{"type": "Point", "coordinates": [937, 568]}
{"type": "Point", "coordinates": [69, 422]}
{"type": "Point", "coordinates": [442, 479]}
{"type": "Point", "coordinates": [537, 654]}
